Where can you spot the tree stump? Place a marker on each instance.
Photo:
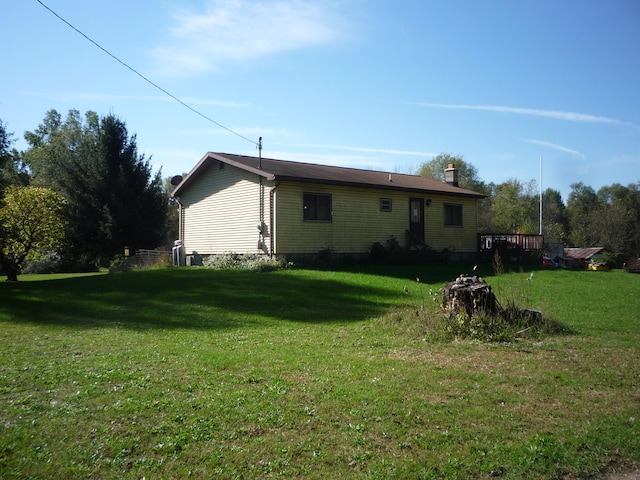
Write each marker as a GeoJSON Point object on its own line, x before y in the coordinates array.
{"type": "Point", "coordinates": [470, 294]}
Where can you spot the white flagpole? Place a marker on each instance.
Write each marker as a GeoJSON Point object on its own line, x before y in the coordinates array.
{"type": "Point", "coordinates": [540, 195]}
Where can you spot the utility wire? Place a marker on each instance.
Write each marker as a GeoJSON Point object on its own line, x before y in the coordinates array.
{"type": "Point", "coordinates": [145, 78]}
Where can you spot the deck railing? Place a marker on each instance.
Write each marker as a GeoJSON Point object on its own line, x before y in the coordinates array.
{"type": "Point", "coordinates": [509, 243]}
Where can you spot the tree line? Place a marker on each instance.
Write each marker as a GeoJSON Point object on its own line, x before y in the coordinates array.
{"type": "Point", "coordinates": [608, 217]}
{"type": "Point", "coordinates": [85, 176]}
{"type": "Point", "coordinates": [81, 192]}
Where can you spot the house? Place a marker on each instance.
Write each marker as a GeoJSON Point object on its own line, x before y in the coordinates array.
{"type": "Point", "coordinates": [241, 204]}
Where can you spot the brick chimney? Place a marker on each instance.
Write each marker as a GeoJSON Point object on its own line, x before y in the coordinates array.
{"type": "Point", "coordinates": [451, 175]}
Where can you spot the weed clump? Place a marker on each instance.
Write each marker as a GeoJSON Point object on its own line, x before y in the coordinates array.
{"type": "Point", "coordinates": [469, 308]}
{"type": "Point", "coordinates": [506, 326]}
{"type": "Point", "coordinates": [479, 315]}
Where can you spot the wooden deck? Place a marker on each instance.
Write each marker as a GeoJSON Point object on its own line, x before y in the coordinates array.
{"type": "Point", "coordinates": [510, 245]}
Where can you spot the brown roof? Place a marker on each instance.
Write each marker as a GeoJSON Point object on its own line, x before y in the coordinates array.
{"type": "Point", "coordinates": [282, 170]}
{"type": "Point", "coordinates": [582, 253]}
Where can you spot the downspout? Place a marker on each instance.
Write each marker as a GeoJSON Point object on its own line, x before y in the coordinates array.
{"type": "Point", "coordinates": [261, 224]}
{"type": "Point", "coordinates": [272, 236]}
{"type": "Point", "coordinates": [178, 248]}
{"type": "Point", "coordinates": [180, 219]}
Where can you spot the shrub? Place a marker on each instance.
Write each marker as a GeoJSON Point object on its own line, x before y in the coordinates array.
{"type": "Point", "coordinates": [120, 263]}
{"type": "Point", "coordinates": [377, 252]}
{"type": "Point", "coordinates": [54, 262]}
{"type": "Point", "coordinates": [250, 261]}
{"type": "Point", "coordinates": [325, 255]}
{"type": "Point", "coordinates": [393, 252]}
{"type": "Point", "coordinates": [262, 263]}
{"type": "Point", "coordinates": [612, 260]}
{"type": "Point", "coordinates": [149, 259]}
{"type": "Point", "coordinates": [50, 262]}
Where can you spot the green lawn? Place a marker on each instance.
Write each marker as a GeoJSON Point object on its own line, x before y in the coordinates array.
{"type": "Point", "coordinates": [198, 373]}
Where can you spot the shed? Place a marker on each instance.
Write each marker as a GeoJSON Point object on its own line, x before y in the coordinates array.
{"type": "Point", "coordinates": [580, 257]}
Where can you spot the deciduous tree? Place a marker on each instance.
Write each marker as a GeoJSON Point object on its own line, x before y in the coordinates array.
{"type": "Point", "coordinates": [582, 207]}
{"type": "Point", "coordinates": [618, 222]}
{"type": "Point", "coordinates": [31, 221]}
{"type": "Point", "coordinates": [467, 178]}
{"type": "Point", "coordinates": [514, 207]}
{"type": "Point", "coordinates": [467, 173]}
{"type": "Point", "coordinates": [633, 204]}
{"type": "Point", "coordinates": [554, 217]}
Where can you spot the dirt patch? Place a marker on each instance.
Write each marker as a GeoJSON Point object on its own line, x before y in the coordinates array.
{"type": "Point", "coordinates": [635, 475]}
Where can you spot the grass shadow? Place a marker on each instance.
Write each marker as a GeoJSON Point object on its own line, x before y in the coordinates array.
{"type": "Point", "coordinates": [434, 273]}
{"type": "Point", "coordinates": [192, 298]}
{"type": "Point", "coordinates": [426, 272]}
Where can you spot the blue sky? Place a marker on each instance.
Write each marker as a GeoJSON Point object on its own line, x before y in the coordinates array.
{"type": "Point", "coordinates": [374, 84]}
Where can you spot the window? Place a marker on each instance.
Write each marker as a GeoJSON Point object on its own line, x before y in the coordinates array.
{"type": "Point", "coordinates": [452, 215]}
{"type": "Point", "coordinates": [317, 207]}
{"type": "Point", "coordinates": [385, 204]}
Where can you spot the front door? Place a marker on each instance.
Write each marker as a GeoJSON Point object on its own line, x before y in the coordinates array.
{"type": "Point", "coordinates": [416, 221]}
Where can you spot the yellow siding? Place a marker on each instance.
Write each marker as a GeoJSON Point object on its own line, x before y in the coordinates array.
{"type": "Point", "coordinates": [357, 221]}
{"type": "Point", "coordinates": [457, 239]}
{"type": "Point", "coordinates": [222, 212]}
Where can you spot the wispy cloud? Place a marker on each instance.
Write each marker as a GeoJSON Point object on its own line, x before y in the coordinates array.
{"type": "Point", "coordinates": [556, 114]}
{"type": "Point", "coordinates": [243, 30]}
{"type": "Point", "coordinates": [246, 131]}
{"type": "Point", "coordinates": [108, 97]}
{"type": "Point", "coordinates": [555, 147]}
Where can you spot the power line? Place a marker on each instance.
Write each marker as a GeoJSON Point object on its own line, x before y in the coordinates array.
{"type": "Point", "coordinates": [145, 78]}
